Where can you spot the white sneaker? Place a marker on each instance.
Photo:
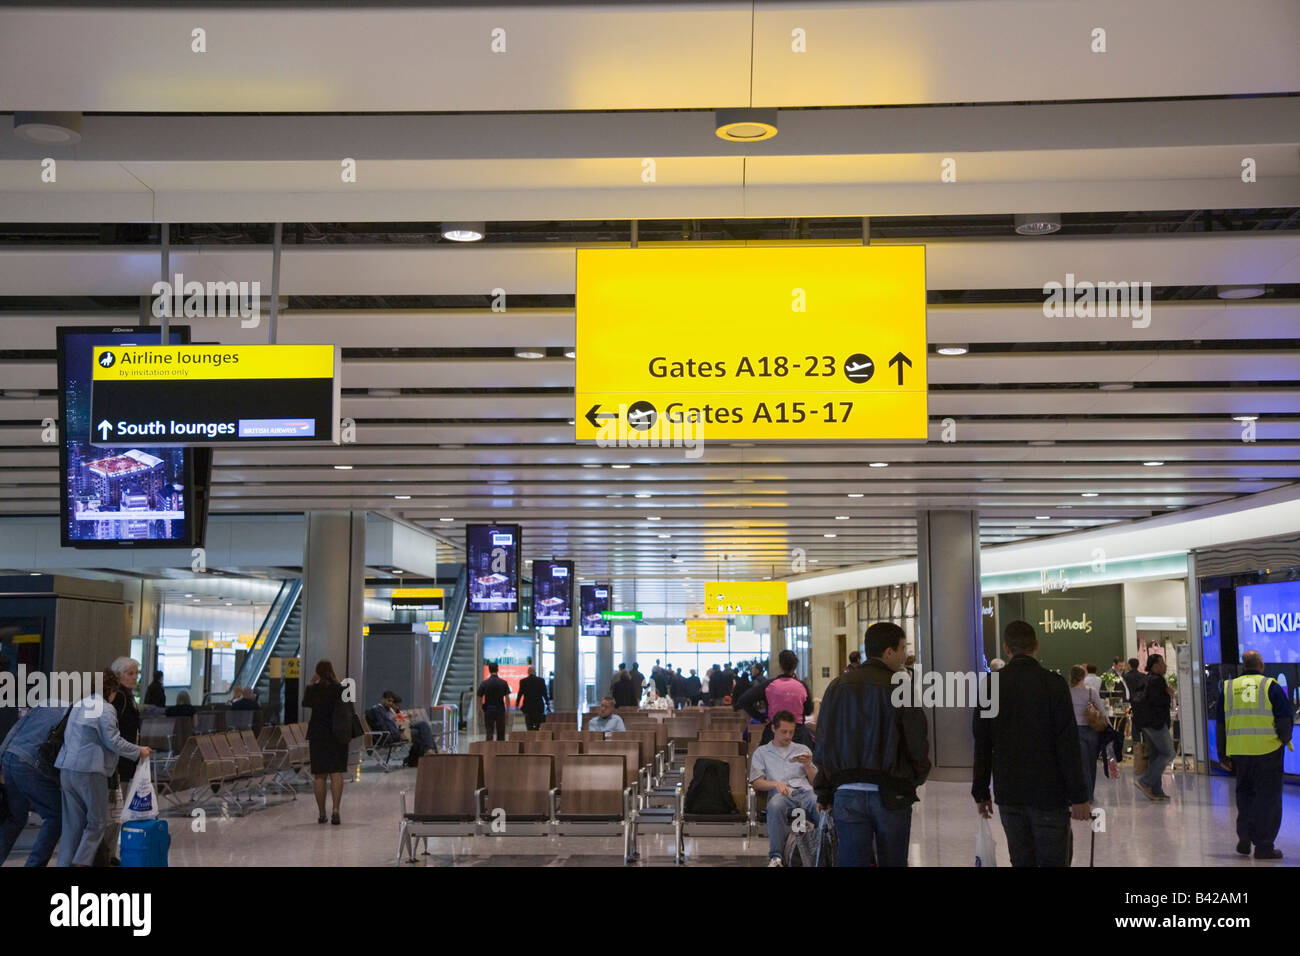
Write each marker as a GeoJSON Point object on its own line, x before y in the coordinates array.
{"type": "Point", "coordinates": [775, 861]}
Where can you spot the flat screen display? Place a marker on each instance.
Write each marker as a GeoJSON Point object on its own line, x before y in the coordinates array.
{"type": "Point", "coordinates": [1211, 632]}
{"type": "Point", "coordinates": [123, 496]}
{"type": "Point", "coordinates": [595, 599]}
{"type": "Point", "coordinates": [553, 593]}
{"type": "Point", "coordinates": [511, 655]}
{"type": "Point", "coordinates": [492, 562]}
{"type": "Point", "coordinates": [1268, 620]}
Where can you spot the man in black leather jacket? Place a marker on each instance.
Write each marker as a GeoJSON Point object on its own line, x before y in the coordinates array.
{"type": "Point", "coordinates": [871, 755]}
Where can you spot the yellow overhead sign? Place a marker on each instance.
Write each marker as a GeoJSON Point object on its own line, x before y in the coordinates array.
{"type": "Point", "coordinates": [169, 363]}
{"type": "Point", "coordinates": [435, 626]}
{"type": "Point", "coordinates": [417, 592]}
{"type": "Point", "coordinates": [745, 597]}
{"type": "Point", "coordinates": [706, 632]}
{"type": "Point", "coordinates": [780, 342]}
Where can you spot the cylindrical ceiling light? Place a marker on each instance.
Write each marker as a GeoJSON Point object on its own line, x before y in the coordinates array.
{"type": "Point", "coordinates": [464, 231]}
{"type": "Point", "coordinates": [1239, 291]}
{"type": "Point", "coordinates": [48, 129]}
{"type": "Point", "coordinates": [1038, 223]}
{"type": "Point", "coordinates": [745, 125]}
{"type": "Point", "coordinates": [530, 352]}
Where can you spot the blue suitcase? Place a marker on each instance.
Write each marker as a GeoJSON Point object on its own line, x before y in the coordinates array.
{"type": "Point", "coordinates": [145, 843]}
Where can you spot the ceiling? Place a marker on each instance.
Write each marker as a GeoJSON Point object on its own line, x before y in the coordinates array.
{"type": "Point", "coordinates": [547, 142]}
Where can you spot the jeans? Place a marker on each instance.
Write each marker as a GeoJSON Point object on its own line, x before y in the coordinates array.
{"type": "Point", "coordinates": [1036, 837]}
{"type": "Point", "coordinates": [869, 832]}
{"type": "Point", "coordinates": [1160, 750]}
{"type": "Point", "coordinates": [778, 813]}
{"type": "Point", "coordinates": [26, 788]}
{"type": "Point", "coordinates": [1259, 798]}
{"type": "Point", "coordinates": [85, 816]}
{"type": "Point", "coordinates": [1089, 742]}
{"type": "Point", "coordinates": [422, 737]}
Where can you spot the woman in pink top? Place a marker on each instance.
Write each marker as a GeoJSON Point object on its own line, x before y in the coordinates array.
{"type": "Point", "coordinates": [788, 692]}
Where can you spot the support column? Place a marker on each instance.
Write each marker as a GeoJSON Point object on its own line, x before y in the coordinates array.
{"type": "Point", "coordinates": [949, 632]}
{"type": "Point", "coordinates": [566, 668]}
{"type": "Point", "coordinates": [629, 645]}
{"type": "Point", "coordinates": [489, 625]}
{"type": "Point", "coordinates": [333, 596]}
{"type": "Point", "coordinates": [1193, 705]}
{"type": "Point", "coordinates": [604, 663]}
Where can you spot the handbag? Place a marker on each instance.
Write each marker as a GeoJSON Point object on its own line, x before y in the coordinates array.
{"type": "Point", "coordinates": [49, 751]}
{"type": "Point", "coordinates": [1141, 759]}
{"type": "Point", "coordinates": [1095, 718]}
{"type": "Point", "coordinates": [345, 723]}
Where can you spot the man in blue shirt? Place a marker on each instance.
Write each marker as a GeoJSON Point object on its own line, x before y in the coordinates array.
{"type": "Point", "coordinates": [607, 721]}
{"type": "Point", "coordinates": [31, 783]}
{"type": "Point", "coordinates": [785, 768]}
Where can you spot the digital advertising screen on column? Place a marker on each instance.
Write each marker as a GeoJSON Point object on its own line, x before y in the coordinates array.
{"type": "Point", "coordinates": [595, 602]}
{"type": "Point", "coordinates": [510, 654]}
{"type": "Point", "coordinates": [553, 593]}
{"type": "Point", "coordinates": [492, 562]}
{"type": "Point", "coordinates": [1268, 620]}
{"type": "Point", "coordinates": [119, 495]}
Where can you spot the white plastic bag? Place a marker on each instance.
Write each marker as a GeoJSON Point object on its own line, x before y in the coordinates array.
{"type": "Point", "coordinates": [986, 853]}
{"type": "Point", "coordinates": [141, 799]}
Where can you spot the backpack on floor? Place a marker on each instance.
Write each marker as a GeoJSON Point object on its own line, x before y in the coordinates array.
{"type": "Point", "coordinates": [814, 847]}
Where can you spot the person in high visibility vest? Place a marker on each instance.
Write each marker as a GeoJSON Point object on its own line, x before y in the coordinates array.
{"type": "Point", "coordinates": [1255, 721]}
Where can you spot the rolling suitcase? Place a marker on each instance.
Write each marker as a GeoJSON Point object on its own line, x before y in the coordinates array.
{"type": "Point", "coordinates": [145, 843]}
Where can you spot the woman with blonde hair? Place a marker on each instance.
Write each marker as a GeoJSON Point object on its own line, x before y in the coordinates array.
{"type": "Point", "coordinates": [1083, 696]}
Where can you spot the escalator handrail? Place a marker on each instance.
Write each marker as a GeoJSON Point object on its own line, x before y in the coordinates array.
{"type": "Point", "coordinates": [269, 633]}
{"type": "Point", "coordinates": [442, 658]}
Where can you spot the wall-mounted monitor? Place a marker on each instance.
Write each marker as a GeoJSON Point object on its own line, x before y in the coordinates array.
{"type": "Point", "coordinates": [124, 496]}
{"type": "Point", "coordinates": [1268, 620]}
{"type": "Point", "coordinates": [595, 601]}
{"type": "Point", "coordinates": [492, 562]}
{"type": "Point", "coordinates": [553, 593]}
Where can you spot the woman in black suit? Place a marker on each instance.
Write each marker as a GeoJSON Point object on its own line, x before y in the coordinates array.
{"type": "Point", "coordinates": [329, 758]}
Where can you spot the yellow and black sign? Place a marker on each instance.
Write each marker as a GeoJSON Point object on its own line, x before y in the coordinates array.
{"type": "Point", "coordinates": [428, 599]}
{"type": "Point", "coordinates": [292, 667]}
{"type": "Point", "coordinates": [745, 597]}
{"type": "Point", "coordinates": [706, 632]}
{"type": "Point", "coordinates": [159, 396]}
{"type": "Point", "coordinates": [741, 343]}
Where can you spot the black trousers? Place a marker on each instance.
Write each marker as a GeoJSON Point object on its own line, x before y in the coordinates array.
{"type": "Point", "coordinates": [532, 719]}
{"type": "Point", "coordinates": [494, 719]}
{"type": "Point", "coordinates": [1259, 797]}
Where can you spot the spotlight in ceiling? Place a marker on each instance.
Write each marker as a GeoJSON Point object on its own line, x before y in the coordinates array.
{"type": "Point", "coordinates": [952, 350]}
{"type": "Point", "coordinates": [402, 497]}
{"type": "Point", "coordinates": [1042, 443]}
{"type": "Point", "coordinates": [1239, 291]}
{"type": "Point", "coordinates": [1153, 464]}
{"type": "Point", "coordinates": [854, 494]}
{"type": "Point", "coordinates": [1116, 386]}
{"type": "Point", "coordinates": [446, 519]}
{"type": "Point", "coordinates": [570, 353]}
{"type": "Point", "coordinates": [1038, 223]}
{"type": "Point", "coordinates": [620, 466]}
{"type": "Point", "coordinates": [530, 352]}
{"type": "Point", "coordinates": [571, 421]}
{"type": "Point", "coordinates": [342, 467]}
{"type": "Point", "coordinates": [879, 464]}
{"type": "Point", "coordinates": [652, 518]}
{"type": "Point", "coordinates": [463, 231]}
{"type": "Point", "coordinates": [745, 125]}
{"type": "Point", "coordinates": [1087, 494]}
{"type": "Point", "coordinates": [1042, 517]}
{"type": "Point", "coordinates": [1245, 418]}
{"type": "Point", "coordinates": [48, 129]}
{"type": "Point", "coordinates": [828, 534]}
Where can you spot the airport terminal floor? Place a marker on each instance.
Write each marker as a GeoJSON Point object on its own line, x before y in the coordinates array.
{"type": "Point", "coordinates": [444, 437]}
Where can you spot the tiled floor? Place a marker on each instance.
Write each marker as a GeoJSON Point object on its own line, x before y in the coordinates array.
{"type": "Point", "coordinates": [1194, 829]}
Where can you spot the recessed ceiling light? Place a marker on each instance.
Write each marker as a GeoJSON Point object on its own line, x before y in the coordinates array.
{"type": "Point", "coordinates": [230, 604]}
{"type": "Point", "coordinates": [1116, 386]}
{"type": "Point", "coordinates": [402, 497]}
{"type": "Point", "coordinates": [530, 352]}
{"type": "Point", "coordinates": [1037, 223]}
{"type": "Point", "coordinates": [196, 600]}
{"type": "Point", "coordinates": [742, 444]}
{"type": "Point", "coordinates": [1088, 494]}
{"type": "Point", "coordinates": [828, 534]}
{"type": "Point", "coordinates": [446, 519]}
{"type": "Point", "coordinates": [48, 129]}
{"type": "Point", "coordinates": [1042, 443]}
{"type": "Point", "coordinates": [952, 350]}
{"type": "Point", "coordinates": [570, 353]}
{"type": "Point", "coordinates": [643, 495]}
{"type": "Point", "coordinates": [814, 560]}
{"type": "Point", "coordinates": [1152, 464]}
{"type": "Point", "coordinates": [463, 231]}
{"type": "Point", "coordinates": [590, 465]}
{"type": "Point", "coordinates": [1239, 291]}
{"type": "Point", "coordinates": [35, 574]}
{"type": "Point", "coordinates": [841, 517]}
{"type": "Point", "coordinates": [1245, 418]}
{"type": "Point", "coordinates": [342, 467]}
{"type": "Point", "coordinates": [742, 481]}
{"type": "Point", "coordinates": [854, 494]}
{"type": "Point", "coordinates": [665, 536]}
{"type": "Point", "coordinates": [1042, 517]}
{"type": "Point", "coordinates": [189, 595]}
{"type": "Point", "coordinates": [879, 464]}
{"type": "Point", "coordinates": [745, 125]}
{"type": "Point", "coordinates": [572, 422]}
{"type": "Point", "coordinates": [451, 446]}
{"type": "Point", "coordinates": [620, 466]}
{"type": "Point", "coordinates": [652, 517]}
{"type": "Point", "coordinates": [613, 496]}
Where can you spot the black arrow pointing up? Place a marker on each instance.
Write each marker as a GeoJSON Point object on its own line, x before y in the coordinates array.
{"type": "Point", "coordinates": [594, 415]}
{"type": "Point", "coordinates": [900, 360]}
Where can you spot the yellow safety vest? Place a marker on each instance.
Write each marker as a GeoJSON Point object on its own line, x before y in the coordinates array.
{"type": "Point", "coordinates": [1248, 716]}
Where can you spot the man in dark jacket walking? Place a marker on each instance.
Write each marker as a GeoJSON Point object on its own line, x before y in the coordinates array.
{"type": "Point", "coordinates": [531, 699]}
{"type": "Point", "coordinates": [1031, 749]}
{"type": "Point", "coordinates": [871, 755]}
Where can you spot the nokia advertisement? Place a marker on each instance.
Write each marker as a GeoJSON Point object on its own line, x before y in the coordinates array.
{"type": "Point", "coordinates": [492, 557]}
{"type": "Point", "coordinates": [553, 593]}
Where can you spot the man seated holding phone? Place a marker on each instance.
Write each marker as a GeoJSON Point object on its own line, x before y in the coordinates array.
{"type": "Point", "coordinates": [786, 768]}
